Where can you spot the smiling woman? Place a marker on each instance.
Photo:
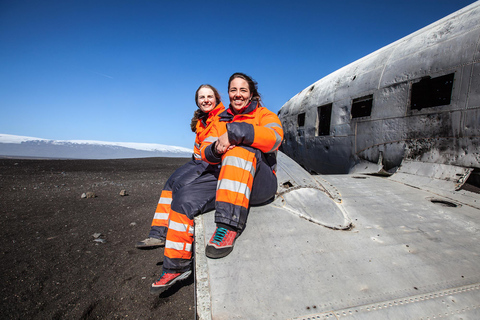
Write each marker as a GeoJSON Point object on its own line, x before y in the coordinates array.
{"type": "Point", "coordinates": [241, 153]}
{"type": "Point", "coordinates": [206, 98]}
{"type": "Point", "coordinates": [209, 106]}
{"type": "Point", "coordinates": [242, 90]}
{"type": "Point", "coordinates": [239, 94]}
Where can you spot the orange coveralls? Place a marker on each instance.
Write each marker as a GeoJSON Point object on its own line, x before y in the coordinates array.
{"type": "Point", "coordinates": [183, 175]}
{"type": "Point", "coordinates": [246, 176]}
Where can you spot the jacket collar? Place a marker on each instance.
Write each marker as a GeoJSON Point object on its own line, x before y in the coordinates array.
{"type": "Point", "coordinates": [218, 109]}
{"type": "Point", "coordinates": [228, 114]}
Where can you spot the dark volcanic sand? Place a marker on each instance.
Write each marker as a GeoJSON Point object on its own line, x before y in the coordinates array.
{"type": "Point", "coordinates": [51, 267]}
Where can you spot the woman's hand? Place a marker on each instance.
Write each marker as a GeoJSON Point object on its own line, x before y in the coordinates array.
{"type": "Point", "coordinates": [223, 145]}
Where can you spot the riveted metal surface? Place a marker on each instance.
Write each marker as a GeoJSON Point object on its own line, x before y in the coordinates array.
{"type": "Point", "coordinates": [402, 247]}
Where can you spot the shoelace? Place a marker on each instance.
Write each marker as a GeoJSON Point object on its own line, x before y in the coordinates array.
{"type": "Point", "coordinates": [161, 276]}
{"type": "Point", "coordinates": [167, 278]}
{"type": "Point", "coordinates": [219, 235]}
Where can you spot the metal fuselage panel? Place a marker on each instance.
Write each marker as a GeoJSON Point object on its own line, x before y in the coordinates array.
{"type": "Point", "coordinates": [407, 257]}
{"type": "Point", "coordinates": [395, 128]}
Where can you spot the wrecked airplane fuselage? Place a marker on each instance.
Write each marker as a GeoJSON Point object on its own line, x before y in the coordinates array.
{"type": "Point", "coordinates": [417, 98]}
{"type": "Point", "coordinates": [363, 246]}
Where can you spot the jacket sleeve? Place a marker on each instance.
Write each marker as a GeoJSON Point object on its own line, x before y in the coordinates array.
{"type": "Point", "coordinates": [196, 146]}
{"type": "Point", "coordinates": [266, 136]}
{"type": "Point", "coordinates": [208, 144]}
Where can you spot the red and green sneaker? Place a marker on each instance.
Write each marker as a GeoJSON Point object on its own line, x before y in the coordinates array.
{"type": "Point", "coordinates": [221, 243]}
{"type": "Point", "coordinates": [166, 280]}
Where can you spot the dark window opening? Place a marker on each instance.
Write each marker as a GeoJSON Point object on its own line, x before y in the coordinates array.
{"type": "Point", "coordinates": [473, 182]}
{"type": "Point", "coordinates": [301, 119]}
{"type": "Point", "coordinates": [362, 107]}
{"type": "Point", "coordinates": [324, 117]}
{"type": "Point", "coordinates": [430, 92]}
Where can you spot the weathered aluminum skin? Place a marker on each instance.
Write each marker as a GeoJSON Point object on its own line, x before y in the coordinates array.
{"type": "Point", "coordinates": [447, 134]}
{"type": "Point", "coordinates": [301, 194]}
{"type": "Point", "coordinates": [408, 255]}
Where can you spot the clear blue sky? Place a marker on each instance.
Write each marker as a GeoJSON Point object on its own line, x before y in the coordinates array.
{"type": "Point", "coordinates": [127, 71]}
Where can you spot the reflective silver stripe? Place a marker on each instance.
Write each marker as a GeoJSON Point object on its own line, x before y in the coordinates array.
{"type": "Point", "coordinates": [235, 186]}
{"type": "Point", "coordinates": [239, 163]}
{"type": "Point", "coordinates": [180, 227]}
{"type": "Point", "coordinates": [197, 156]}
{"type": "Point", "coordinates": [197, 145]}
{"type": "Point", "coordinates": [273, 124]}
{"type": "Point", "coordinates": [176, 245]}
{"type": "Point", "coordinates": [210, 139]}
{"type": "Point", "coordinates": [161, 216]}
{"type": "Point", "coordinates": [165, 200]}
{"type": "Point", "coordinates": [278, 138]}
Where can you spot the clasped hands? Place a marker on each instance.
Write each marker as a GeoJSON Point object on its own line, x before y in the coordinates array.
{"type": "Point", "coordinates": [223, 144]}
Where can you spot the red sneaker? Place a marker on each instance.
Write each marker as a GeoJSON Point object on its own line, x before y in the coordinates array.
{"type": "Point", "coordinates": [221, 243]}
{"type": "Point", "coordinates": [166, 280]}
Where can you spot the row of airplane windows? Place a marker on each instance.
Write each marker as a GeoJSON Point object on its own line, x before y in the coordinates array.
{"type": "Point", "coordinates": [427, 93]}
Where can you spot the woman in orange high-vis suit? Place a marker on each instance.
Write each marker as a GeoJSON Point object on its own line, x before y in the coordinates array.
{"type": "Point", "coordinates": [241, 150]}
{"type": "Point", "coordinates": [209, 105]}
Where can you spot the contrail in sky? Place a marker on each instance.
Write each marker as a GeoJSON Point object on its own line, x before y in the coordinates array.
{"type": "Point", "coordinates": [101, 74]}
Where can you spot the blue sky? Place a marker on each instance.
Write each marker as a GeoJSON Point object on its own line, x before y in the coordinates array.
{"type": "Point", "coordinates": [127, 71]}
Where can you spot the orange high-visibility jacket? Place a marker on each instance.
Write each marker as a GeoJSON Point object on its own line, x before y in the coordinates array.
{"type": "Point", "coordinates": [204, 126]}
{"type": "Point", "coordinates": [256, 127]}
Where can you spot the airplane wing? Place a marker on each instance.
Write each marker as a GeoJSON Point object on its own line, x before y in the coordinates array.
{"type": "Point", "coordinates": [346, 246]}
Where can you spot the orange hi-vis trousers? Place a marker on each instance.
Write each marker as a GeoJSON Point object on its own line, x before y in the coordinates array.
{"type": "Point", "coordinates": [182, 176]}
{"type": "Point", "coordinates": [243, 179]}
{"type": "Point", "coordinates": [160, 219]}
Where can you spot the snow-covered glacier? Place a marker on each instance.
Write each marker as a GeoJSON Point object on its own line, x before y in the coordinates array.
{"type": "Point", "coordinates": [22, 146]}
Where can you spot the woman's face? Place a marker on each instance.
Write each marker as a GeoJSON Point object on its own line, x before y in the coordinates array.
{"type": "Point", "coordinates": [206, 99]}
{"type": "Point", "coordinates": [239, 93]}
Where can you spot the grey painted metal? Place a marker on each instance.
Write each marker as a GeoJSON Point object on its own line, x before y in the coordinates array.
{"type": "Point", "coordinates": [431, 175]}
{"type": "Point", "coordinates": [203, 300]}
{"type": "Point", "coordinates": [299, 193]}
{"type": "Point", "coordinates": [448, 134]}
{"type": "Point", "coordinates": [405, 258]}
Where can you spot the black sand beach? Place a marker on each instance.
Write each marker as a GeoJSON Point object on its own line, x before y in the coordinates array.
{"type": "Point", "coordinates": [54, 263]}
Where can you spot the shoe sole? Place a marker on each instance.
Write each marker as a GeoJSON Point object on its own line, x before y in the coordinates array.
{"type": "Point", "coordinates": [214, 253]}
{"type": "Point", "coordinates": [141, 245]}
{"type": "Point", "coordinates": [158, 290]}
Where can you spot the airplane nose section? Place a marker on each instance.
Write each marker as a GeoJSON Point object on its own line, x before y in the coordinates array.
{"type": "Point", "coordinates": [299, 193]}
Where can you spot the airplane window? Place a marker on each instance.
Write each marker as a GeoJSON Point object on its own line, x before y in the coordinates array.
{"type": "Point", "coordinates": [362, 107]}
{"type": "Point", "coordinates": [324, 114]}
{"type": "Point", "coordinates": [430, 92]}
{"type": "Point", "coordinates": [301, 119]}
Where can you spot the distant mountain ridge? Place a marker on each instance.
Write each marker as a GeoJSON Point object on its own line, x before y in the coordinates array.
{"type": "Point", "coordinates": [21, 146]}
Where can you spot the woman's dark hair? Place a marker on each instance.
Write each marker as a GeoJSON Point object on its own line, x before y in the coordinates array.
{"type": "Point", "coordinates": [252, 85]}
{"type": "Point", "coordinates": [198, 114]}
